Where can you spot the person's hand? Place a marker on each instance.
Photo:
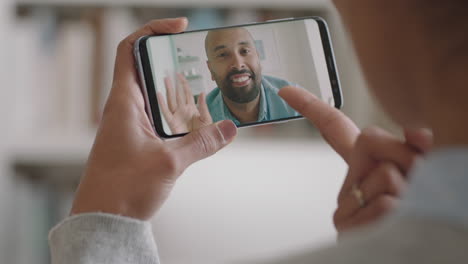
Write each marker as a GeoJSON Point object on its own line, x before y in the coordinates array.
{"type": "Point", "coordinates": [181, 113]}
{"type": "Point", "coordinates": [378, 175]}
{"type": "Point", "coordinates": [130, 170]}
{"type": "Point", "coordinates": [378, 162]}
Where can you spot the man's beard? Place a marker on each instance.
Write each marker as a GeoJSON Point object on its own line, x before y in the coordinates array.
{"type": "Point", "coordinates": [241, 95]}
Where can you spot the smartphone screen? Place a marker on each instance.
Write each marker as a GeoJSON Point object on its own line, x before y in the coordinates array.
{"type": "Point", "coordinates": [197, 78]}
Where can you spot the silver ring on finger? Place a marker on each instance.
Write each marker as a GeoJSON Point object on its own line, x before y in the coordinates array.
{"type": "Point", "coordinates": [358, 194]}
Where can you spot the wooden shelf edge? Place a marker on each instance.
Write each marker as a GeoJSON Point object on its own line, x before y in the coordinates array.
{"type": "Point", "coordinates": [52, 148]}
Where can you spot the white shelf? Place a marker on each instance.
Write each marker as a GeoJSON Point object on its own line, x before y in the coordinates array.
{"type": "Point", "coordinates": [184, 3]}
{"type": "Point", "coordinates": [55, 149]}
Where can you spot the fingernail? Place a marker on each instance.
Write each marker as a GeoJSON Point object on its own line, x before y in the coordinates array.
{"type": "Point", "coordinates": [427, 132]}
{"type": "Point", "coordinates": [183, 18]}
{"type": "Point", "coordinates": [228, 129]}
{"type": "Point", "coordinates": [285, 88]}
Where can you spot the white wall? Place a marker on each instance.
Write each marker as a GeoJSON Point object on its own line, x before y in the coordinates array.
{"type": "Point", "coordinates": [6, 16]}
{"type": "Point", "coordinates": [249, 201]}
{"type": "Point", "coordinates": [294, 55]}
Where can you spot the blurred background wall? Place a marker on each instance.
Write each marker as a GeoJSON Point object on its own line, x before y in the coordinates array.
{"type": "Point", "coordinates": [271, 193]}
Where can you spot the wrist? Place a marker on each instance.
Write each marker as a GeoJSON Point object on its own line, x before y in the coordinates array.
{"type": "Point", "coordinates": [93, 200]}
{"type": "Point", "coordinates": [90, 199]}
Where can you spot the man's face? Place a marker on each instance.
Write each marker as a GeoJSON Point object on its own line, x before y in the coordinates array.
{"type": "Point", "coordinates": [234, 64]}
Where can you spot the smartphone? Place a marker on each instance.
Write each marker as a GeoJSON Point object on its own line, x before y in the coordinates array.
{"type": "Point", "coordinates": [199, 77]}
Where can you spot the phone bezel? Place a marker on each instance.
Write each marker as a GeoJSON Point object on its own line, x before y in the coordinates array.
{"type": "Point", "coordinates": [149, 90]}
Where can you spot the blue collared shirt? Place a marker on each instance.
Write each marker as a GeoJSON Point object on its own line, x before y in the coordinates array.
{"type": "Point", "coordinates": [272, 106]}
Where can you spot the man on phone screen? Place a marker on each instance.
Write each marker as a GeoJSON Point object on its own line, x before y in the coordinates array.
{"type": "Point", "coordinates": [243, 94]}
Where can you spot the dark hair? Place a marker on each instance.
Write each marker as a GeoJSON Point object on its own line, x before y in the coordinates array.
{"type": "Point", "coordinates": [443, 25]}
{"type": "Point", "coordinates": [444, 21]}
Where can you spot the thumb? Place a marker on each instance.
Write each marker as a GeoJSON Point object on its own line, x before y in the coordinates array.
{"type": "Point", "coordinates": [204, 142]}
{"type": "Point", "coordinates": [420, 139]}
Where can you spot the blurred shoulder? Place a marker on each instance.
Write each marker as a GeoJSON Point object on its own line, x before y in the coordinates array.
{"type": "Point", "coordinates": [406, 241]}
{"type": "Point", "coordinates": [275, 82]}
{"type": "Point", "coordinates": [212, 95]}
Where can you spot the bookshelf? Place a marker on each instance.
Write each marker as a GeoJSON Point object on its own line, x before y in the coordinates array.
{"type": "Point", "coordinates": [43, 153]}
{"type": "Point", "coordinates": [57, 149]}
{"type": "Point", "coordinates": [73, 112]}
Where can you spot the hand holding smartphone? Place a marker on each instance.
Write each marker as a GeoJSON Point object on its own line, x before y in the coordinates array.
{"type": "Point", "coordinates": [193, 79]}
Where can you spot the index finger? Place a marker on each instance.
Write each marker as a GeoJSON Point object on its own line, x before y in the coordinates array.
{"type": "Point", "coordinates": [336, 128]}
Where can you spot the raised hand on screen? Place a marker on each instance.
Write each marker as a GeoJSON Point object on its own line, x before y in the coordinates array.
{"type": "Point", "coordinates": [180, 111]}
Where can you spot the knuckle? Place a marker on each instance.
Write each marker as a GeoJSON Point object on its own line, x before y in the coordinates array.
{"type": "Point", "coordinates": [122, 46]}
{"type": "Point", "coordinates": [111, 107]}
{"type": "Point", "coordinates": [107, 109]}
{"type": "Point", "coordinates": [170, 164]}
{"type": "Point", "coordinates": [147, 27]}
{"type": "Point", "coordinates": [412, 160]}
{"type": "Point", "coordinates": [363, 138]}
{"type": "Point", "coordinates": [337, 219]}
{"type": "Point", "coordinates": [160, 25]}
{"type": "Point", "coordinates": [390, 178]}
{"type": "Point", "coordinates": [384, 204]}
{"type": "Point", "coordinates": [206, 143]}
{"type": "Point", "coordinates": [388, 167]}
{"type": "Point", "coordinates": [368, 137]}
{"type": "Point", "coordinates": [327, 122]}
{"type": "Point", "coordinates": [371, 132]}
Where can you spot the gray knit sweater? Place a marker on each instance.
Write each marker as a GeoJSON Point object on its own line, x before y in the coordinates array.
{"type": "Point", "coordinates": [102, 238]}
{"type": "Point", "coordinates": [105, 239]}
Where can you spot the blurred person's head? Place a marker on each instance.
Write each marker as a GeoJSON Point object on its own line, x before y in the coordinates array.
{"type": "Point", "coordinates": [414, 54]}
{"type": "Point", "coordinates": [234, 63]}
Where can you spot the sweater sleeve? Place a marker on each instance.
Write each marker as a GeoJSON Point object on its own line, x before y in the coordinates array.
{"type": "Point", "coordinates": [102, 238]}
